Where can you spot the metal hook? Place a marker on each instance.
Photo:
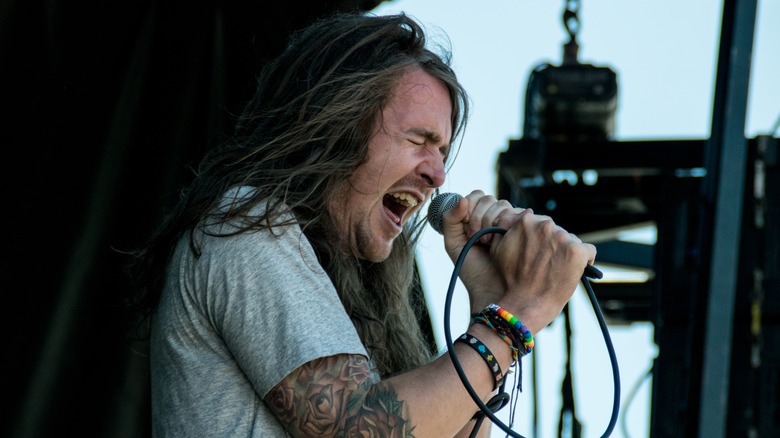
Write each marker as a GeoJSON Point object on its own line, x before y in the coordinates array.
{"type": "Point", "coordinates": [571, 22]}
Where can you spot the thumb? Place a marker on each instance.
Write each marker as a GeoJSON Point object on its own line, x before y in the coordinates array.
{"type": "Point", "coordinates": [453, 220]}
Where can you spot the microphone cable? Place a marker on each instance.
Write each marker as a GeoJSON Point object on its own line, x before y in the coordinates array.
{"type": "Point", "coordinates": [502, 397]}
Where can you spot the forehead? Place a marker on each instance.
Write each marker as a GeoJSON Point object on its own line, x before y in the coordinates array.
{"type": "Point", "coordinates": [421, 103]}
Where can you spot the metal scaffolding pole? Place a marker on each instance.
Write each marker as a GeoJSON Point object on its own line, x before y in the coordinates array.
{"type": "Point", "coordinates": [725, 160]}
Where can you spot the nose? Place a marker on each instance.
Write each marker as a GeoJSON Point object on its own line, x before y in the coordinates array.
{"type": "Point", "coordinates": [432, 171]}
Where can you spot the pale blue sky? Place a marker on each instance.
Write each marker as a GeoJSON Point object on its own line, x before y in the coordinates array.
{"type": "Point", "coordinates": [664, 53]}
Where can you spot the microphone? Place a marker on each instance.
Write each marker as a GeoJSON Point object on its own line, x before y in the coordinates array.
{"type": "Point", "coordinates": [446, 201]}
{"type": "Point", "coordinates": [440, 205]}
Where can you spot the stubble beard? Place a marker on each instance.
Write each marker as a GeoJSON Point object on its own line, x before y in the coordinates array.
{"type": "Point", "coordinates": [365, 247]}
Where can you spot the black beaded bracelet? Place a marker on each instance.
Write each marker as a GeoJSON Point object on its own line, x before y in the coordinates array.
{"type": "Point", "coordinates": [486, 354]}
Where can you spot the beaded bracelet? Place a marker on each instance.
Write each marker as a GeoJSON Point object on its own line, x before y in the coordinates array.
{"type": "Point", "coordinates": [502, 331]}
{"type": "Point", "coordinates": [506, 332]}
{"type": "Point", "coordinates": [522, 331]}
{"type": "Point", "coordinates": [486, 354]}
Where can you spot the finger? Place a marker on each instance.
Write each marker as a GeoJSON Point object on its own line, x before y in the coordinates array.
{"type": "Point", "coordinates": [580, 256]}
{"type": "Point", "coordinates": [496, 210]}
{"type": "Point", "coordinates": [532, 234]}
{"type": "Point", "coordinates": [506, 219]}
{"type": "Point", "coordinates": [477, 207]}
{"type": "Point", "coordinates": [473, 199]}
{"type": "Point", "coordinates": [454, 218]}
{"type": "Point", "coordinates": [590, 251]}
{"type": "Point", "coordinates": [481, 208]}
{"type": "Point", "coordinates": [490, 217]}
{"type": "Point", "coordinates": [485, 215]}
{"type": "Point", "coordinates": [580, 253]}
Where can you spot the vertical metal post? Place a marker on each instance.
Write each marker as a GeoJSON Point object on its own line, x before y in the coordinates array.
{"type": "Point", "coordinates": [725, 161]}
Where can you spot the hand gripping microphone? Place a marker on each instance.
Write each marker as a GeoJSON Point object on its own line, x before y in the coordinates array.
{"type": "Point", "coordinates": [440, 205]}
{"type": "Point", "coordinates": [446, 201]}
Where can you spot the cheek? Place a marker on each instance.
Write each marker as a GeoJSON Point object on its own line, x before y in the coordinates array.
{"type": "Point", "coordinates": [338, 205]}
{"type": "Point", "coordinates": [371, 176]}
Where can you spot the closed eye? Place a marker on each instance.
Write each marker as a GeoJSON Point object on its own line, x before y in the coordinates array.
{"type": "Point", "coordinates": [445, 152]}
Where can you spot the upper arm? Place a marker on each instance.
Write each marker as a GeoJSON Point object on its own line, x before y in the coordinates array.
{"type": "Point", "coordinates": [338, 393]}
{"type": "Point", "coordinates": [250, 289]}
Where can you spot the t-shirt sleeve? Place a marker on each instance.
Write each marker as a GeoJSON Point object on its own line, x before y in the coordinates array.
{"type": "Point", "coordinates": [270, 301]}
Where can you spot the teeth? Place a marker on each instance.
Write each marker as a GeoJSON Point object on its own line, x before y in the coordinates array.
{"type": "Point", "coordinates": [405, 199]}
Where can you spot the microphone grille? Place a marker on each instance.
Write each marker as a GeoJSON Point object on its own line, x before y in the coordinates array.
{"type": "Point", "coordinates": [440, 205]}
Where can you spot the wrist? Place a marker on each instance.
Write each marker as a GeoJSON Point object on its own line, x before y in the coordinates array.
{"type": "Point", "coordinates": [478, 300]}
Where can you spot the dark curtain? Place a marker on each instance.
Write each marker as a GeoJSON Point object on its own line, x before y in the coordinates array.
{"type": "Point", "coordinates": [108, 105]}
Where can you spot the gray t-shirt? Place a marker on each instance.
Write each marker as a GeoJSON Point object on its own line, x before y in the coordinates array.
{"type": "Point", "coordinates": [232, 323]}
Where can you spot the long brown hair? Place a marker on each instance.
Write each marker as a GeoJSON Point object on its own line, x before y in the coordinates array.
{"type": "Point", "coordinates": [300, 138]}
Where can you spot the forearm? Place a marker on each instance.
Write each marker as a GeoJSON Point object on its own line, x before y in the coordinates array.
{"type": "Point", "coordinates": [334, 394]}
{"type": "Point", "coordinates": [484, 430]}
{"type": "Point", "coordinates": [439, 404]}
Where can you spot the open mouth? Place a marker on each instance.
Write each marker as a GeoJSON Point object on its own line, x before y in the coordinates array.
{"type": "Point", "coordinates": [397, 204]}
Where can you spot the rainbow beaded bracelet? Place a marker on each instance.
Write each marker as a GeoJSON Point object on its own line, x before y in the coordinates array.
{"type": "Point", "coordinates": [524, 334]}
